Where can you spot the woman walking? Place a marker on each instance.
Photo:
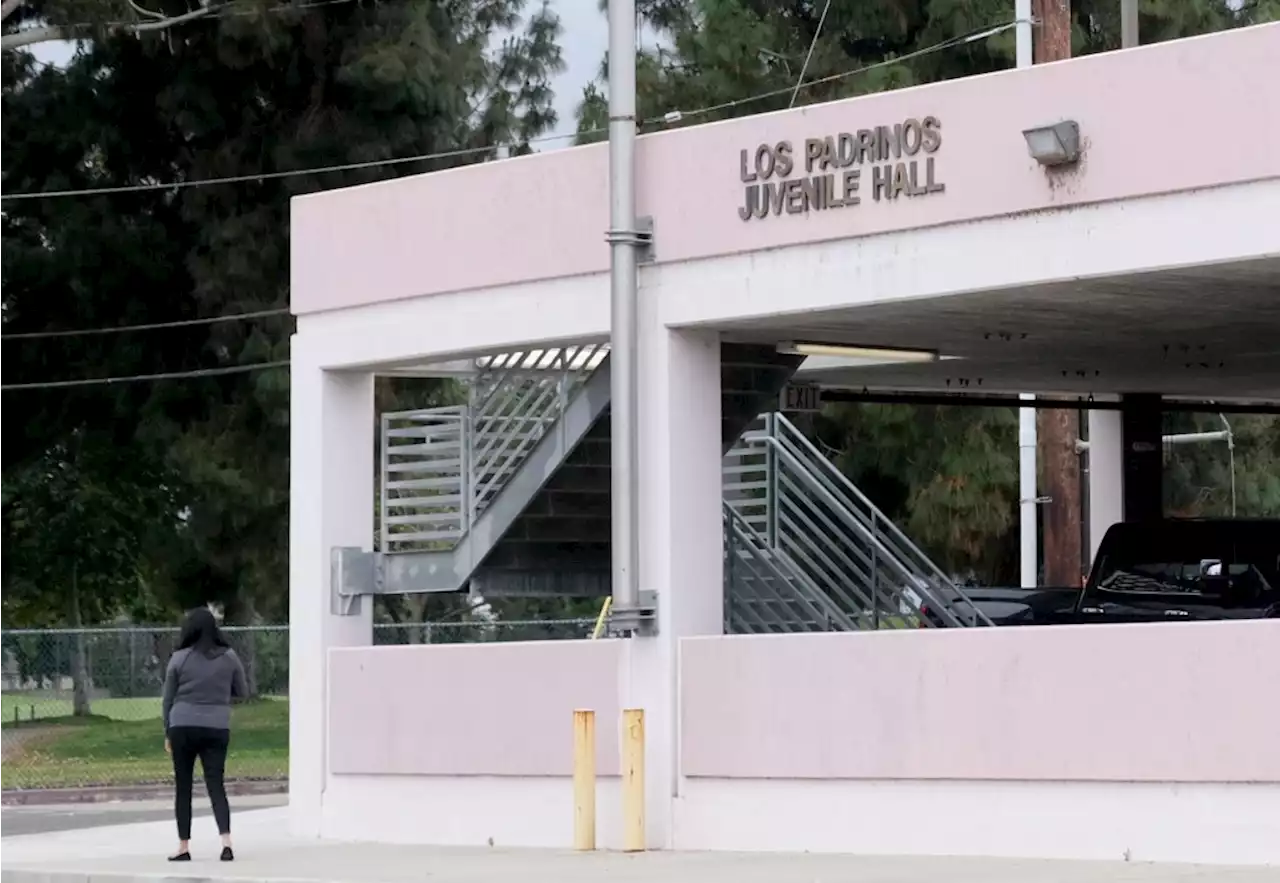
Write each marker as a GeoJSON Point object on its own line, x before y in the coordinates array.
{"type": "Point", "coordinates": [203, 676]}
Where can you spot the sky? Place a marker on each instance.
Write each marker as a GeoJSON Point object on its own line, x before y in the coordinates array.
{"type": "Point", "coordinates": [583, 41]}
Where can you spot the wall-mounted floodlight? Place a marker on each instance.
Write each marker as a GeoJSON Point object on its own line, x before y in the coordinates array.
{"type": "Point", "coordinates": [870, 353]}
{"type": "Point", "coordinates": [1055, 145]}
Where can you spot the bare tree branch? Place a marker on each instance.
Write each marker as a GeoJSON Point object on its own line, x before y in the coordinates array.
{"type": "Point", "coordinates": [10, 7]}
{"type": "Point", "coordinates": [34, 35]}
{"type": "Point", "coordinates": [142, 10]}
{"type": "Point", "coordinates": [49, 33]}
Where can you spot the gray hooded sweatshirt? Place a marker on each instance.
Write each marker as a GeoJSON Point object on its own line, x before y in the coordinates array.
{"type": "Point", "coordinates": [198, 689]}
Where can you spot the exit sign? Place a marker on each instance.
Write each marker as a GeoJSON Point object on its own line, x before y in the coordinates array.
{"type": "Point", "coordinates": [801, 398]}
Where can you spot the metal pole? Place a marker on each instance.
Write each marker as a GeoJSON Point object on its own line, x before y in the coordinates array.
{"type": "Point", "coordinates": [1231, 455]}
{"type": "Point", "coordinates": [623, 241]}
{"type": "Point", "coordinates": [1027, 528]}
{"type": "Point", "coordinates": [1022, 32]}
{"type": "Point", "coordinates": [1128, 24]}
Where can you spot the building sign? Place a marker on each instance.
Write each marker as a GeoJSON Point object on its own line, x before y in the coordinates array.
{"type": "Point", "coordinates": [839, 171]}
{"type": "Point", "coordinates": [800, 397]}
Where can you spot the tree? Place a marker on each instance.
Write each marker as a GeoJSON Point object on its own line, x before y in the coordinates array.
{"type": "Point", "coordinates": [256, 88]}
{"type": "Point", "coordinates": [71, 535]}
{"type": "Point", "coordinates": [28, 23]}
{"type": "Point", "coordinates": [1218, 478]}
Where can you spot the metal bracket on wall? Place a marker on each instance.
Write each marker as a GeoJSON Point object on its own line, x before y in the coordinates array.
{"type": "Point", "coordinates": [641, 237]}
{"type": "Point", "coordinates": [640, 621]}
{"type": "Point", "coordinates": [352, 574]}
{"type": "Point", "coordinates": [355, 573]}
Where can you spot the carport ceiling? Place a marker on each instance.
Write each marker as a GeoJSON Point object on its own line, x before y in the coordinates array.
{"type": "Point", "coordinates": [1208, 333]}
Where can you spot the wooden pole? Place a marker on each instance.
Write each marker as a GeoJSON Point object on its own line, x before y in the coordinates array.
{"type": "Point", "coordinates": [633, 839]}
{"type": "Point", "coordinates": [584, 779]}
{"type": "Point", "coordinates": [1053, 30]}
{"type": "Point", "coordinates": [1062, 516]}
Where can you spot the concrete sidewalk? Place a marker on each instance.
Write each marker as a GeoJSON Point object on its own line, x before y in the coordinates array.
{"type": "Point", "coordinates": [46, 818]}
{"type": "Point", "coordinates": [128, 853]}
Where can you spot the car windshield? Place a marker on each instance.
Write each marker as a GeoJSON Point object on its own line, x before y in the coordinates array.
{"type": "Point", "coordinates": [1191, 562]}
{"type": "Point", "coordinates": [1184, 577]}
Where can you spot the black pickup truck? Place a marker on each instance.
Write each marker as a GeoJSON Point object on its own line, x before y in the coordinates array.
{"type": "Point", "coordinates": [1177, 569]}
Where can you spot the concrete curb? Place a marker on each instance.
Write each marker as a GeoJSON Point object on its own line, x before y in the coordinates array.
{"type": "Point", "coordinates": [55, 796]}
{"type": "Point", "coordinates": [37, 875]}
{"type": "Point", "coordinates": [68, 875]}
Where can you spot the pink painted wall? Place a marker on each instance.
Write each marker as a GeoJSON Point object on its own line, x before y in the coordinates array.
{"type": "Point", "coordinates": [471, 709]}
{"type": "Point", "coordinates": [1157, 119]}
{"type": "Point", "coordinates": [1171, 703]}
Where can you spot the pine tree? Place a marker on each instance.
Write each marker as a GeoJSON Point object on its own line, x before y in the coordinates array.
{"type": "Point", "coordinates": [259, 86]}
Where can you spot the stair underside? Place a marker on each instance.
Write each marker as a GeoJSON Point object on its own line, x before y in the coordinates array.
{"type": "Point", "coordinates": [559, 543]}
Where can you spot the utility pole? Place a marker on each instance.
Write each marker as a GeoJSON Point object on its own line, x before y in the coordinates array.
{"type": "Point", "coordinates": [1052, 31]}
{"type": "Point", "coordinates": [1058, 429]}
{"type": "Point", "coordinates": [624, 240]}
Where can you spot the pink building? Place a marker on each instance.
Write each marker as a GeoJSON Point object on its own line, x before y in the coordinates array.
{"type": "Point", "coordinates": [1150, 741]}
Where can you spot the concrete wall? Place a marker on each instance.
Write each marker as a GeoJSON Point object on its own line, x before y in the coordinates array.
{"type": "Point", "coordinates": [1147, 742]}
{"type": "Point", "coordinates": [544, 216]}
{"type": "Point", "coordinates": [1155, 742]}
{"type": "Point", "coordinates": [467, 744]}
{"type": "Point", "coordinates": [921, 742]}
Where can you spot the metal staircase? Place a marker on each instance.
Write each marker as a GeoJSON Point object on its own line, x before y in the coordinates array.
{"type": "Point", "coordinates": [806, 550]}
{"type": "Point", "coordinates": [509, 495]}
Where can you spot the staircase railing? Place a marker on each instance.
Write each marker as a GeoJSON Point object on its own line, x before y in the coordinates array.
{"type": "Point", "coordinates": [423, 488]}
{"type": "Point", "coordinates": [764, 592]}
{"type": "Point", "coordinates": [813, 517]}
{"type": "Point", "coordinates": [442, 467]}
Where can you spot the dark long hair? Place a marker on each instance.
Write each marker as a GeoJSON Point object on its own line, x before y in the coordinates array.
{"type": "Point", "coordinates": [200, 632]}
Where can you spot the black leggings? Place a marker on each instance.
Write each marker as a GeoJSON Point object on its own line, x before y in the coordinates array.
{"type": "Point", "coordinates": [210, 746]}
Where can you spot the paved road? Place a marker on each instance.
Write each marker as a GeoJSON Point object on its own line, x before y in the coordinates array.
{"type": "Point", "coordinates": [19, 820]}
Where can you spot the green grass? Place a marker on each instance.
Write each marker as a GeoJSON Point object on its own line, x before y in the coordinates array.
{"type": "Point", "coordinates": [102, 750]}
{"type": "Point", "coordinates": [20, 707]}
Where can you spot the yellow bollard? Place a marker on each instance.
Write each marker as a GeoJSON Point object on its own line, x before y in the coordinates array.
{"type": "Point", "coordinates": [633, 839]}
{"type": "Point", "coordinates": [584, 779]}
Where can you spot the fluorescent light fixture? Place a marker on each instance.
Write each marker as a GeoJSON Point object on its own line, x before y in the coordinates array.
{"type": "Point", "coordinates": [842, 351]}
{"type": "Point", "coordinates": [1055, 145]}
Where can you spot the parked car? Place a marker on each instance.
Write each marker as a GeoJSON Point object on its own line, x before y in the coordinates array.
{"type": "Point", "coordinates": [1175, 569]}
{"type": "Point", "coordinates": [1197, 569]}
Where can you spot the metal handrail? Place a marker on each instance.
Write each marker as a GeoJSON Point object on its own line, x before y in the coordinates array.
{"type": "Point", "coordinates": [807, 497]}
{"type": "Point", "coordinates": [778, 567]}
{"type": "Point", "coordinates": [884, 529]}
{"type": "Point", "coordinates": [422, 481]}
{"type": "Point", "coordinates": [796, 437]}
{"type": "Point", "coordinates": [881, 555]}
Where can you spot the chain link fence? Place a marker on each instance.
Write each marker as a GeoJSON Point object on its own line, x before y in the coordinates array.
{"type": "Point", "coordinates": [81, 707]}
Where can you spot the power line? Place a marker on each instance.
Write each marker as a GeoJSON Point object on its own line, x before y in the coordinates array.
{"type": "Point", "coordinates": [151, 326]}
{"type": "Point", "coordinates": [671, 117]}
{"type": "Point", "coordinates": [950, 43]}
{"type": "Point", "coordinates": [668, 118]}
{"type": "Point", "coordinates": [138, 378]}
{"type": "Point", "coordinates": [284, 173]}
{"type": "Point", "coordinates": [813, 44]}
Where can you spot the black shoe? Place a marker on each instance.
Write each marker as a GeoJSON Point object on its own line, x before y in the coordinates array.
{"type": "Point", "coordinates": [180, 857]}
{"type": "Point", "coordinates": [227, 855]}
